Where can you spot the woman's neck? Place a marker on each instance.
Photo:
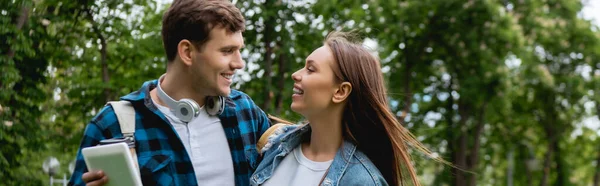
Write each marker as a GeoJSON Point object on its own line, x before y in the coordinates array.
{"type": "Point", "coordinates": [325, 138]}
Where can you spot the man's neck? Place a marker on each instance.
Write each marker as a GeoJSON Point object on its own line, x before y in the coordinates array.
{"type": "Point", "coordinates": [177, 88]}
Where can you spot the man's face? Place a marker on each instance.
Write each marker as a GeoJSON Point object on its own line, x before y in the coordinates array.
{"type": "Point", "coordinates": [214, 65]}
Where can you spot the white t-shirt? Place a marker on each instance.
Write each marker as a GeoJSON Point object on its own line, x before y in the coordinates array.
{"type": "Point", "coordinates": [297, 170]}
{"type": "Point", "coordinates": [205, 141]}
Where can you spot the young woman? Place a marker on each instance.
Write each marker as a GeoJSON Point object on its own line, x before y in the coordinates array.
{"type": "Point", "coordinates": [352, 138]}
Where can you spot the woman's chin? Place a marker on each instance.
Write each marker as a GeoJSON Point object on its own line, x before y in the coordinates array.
{"type": "Point", "coordinates": [296, 108]}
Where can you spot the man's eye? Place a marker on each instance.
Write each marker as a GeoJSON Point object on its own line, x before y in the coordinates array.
{"type": "Point", "coordinates": [228, 51]}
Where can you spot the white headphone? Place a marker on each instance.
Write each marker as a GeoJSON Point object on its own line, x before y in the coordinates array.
{"type": "Point", "coordinates": [187, 109]}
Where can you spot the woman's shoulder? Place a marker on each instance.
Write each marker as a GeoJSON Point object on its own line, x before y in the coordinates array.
{"type": "Point", "coordinates": [275, 134]}
{"type": "Point", "coordinates": [361, 170]}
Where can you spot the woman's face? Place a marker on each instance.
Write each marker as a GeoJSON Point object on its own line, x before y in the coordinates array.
{"type": "Point", "coordinates": [314, 85]}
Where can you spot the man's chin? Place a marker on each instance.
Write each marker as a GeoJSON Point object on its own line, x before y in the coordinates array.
{"type": "Point", "coordinates": [224, 92]}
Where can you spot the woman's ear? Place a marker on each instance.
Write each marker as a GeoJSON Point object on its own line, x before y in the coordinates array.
{"type": "Point", "coordinates": [342, 92]}
{"type": "Point", "coordinates": [185, 51]}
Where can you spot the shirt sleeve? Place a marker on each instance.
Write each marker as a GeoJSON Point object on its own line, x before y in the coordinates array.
{"type": "Point", "coordinates": [91, 137]}
{"type": "Point", "coordinates": [263, 122]}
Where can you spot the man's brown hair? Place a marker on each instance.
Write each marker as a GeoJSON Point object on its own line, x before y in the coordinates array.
{"type": "Point", "coordinates": [194, 19]}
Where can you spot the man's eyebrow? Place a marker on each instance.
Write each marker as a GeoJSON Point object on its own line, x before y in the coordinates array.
{"type": "Point", "coordinates": [233, 46]}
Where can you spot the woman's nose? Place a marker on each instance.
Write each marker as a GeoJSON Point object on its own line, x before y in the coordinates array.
{"type": "Point", "coordinates": [296, 76]}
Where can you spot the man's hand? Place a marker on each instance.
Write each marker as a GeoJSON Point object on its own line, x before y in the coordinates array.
{"type": "Point", "coordinates": [94, 178]}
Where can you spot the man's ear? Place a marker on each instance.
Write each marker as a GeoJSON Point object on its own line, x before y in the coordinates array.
{"type": "Point", "coordinates": [185, 51]}
{"type": "Point", "coordinates": [342, 92]}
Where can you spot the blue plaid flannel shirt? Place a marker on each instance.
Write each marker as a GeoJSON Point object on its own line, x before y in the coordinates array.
{"type": "Point", "coordinates": [162, 157]}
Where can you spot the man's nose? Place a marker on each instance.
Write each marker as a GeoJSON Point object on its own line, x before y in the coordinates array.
{"type": "Point", "coordinates": [238, 62]}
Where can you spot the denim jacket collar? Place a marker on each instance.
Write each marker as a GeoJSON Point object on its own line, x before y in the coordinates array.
{"type": "Point", "coordinates": [290, 137]}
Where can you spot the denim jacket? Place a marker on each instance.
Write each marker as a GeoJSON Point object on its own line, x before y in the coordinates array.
{"type": "Point", "coordinates": [349, 167]}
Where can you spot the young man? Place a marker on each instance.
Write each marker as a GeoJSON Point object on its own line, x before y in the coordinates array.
{"type": "Point", "coordinates": [202, 40]}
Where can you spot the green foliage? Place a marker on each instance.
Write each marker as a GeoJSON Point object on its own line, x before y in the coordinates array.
{"type": "Point", "coordinates": [278, 37]}
{"type": "Point", "coordinates": [500, 88]}
{"type": "Point", "coordinates": [53, 84]}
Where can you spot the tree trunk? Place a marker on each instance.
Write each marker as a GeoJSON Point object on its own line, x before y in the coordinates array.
{"type": "Point", "coordinates": [280, 84]}
{"type": "Point", "coordinates": [451, 131]}
{"type": "Point", "coordinates": [474, 153]}
{"type": "Point", "coordinates": [460, 157]}
{"type": "Point", "coordinates": [413, 55]}
{"type": "Point", "coordinates": [268, 39]}
{"type": "Point", "coordinates": [407, 90]}
{"type": "Point", "coordinates": [20, 22]}
{"type": "Point", "coordinates": [103, 55]}
{"type": "Point", "coordinates": [550, 125]}
{"type": "Point", "coordinates": [456, 140]}
{"type": "Point", "coordinates": [546, 167]}
{"type": "Point", "coordinates": [560, 178]}
{"type": "Point", "coordinates": [548, 156]}
{"type": "Point", "coordinates": [510, 168]}
{"type": "Point", "coordinates": [597, 174]}
{"type": "Point", "coordinates": [528, 170]}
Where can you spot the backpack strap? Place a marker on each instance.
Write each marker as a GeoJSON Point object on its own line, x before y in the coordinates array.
{"type": "Point", "coordinates": [126, 118]}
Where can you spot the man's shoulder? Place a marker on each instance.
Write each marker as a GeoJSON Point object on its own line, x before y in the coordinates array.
{"type": "Point", "coordinates": [142, 93]}
{"type": "Point", "coordinates": [105, 118]}
{"type": "Point", "coordinates": [242, 100]}
{"type": "Point", "coordinates": [238, 95]}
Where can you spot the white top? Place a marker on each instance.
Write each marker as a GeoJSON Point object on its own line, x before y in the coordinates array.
{"type": "Point", "coordinates": [297, 170]}
{"type": "Point", "coordinates": [205, 141]}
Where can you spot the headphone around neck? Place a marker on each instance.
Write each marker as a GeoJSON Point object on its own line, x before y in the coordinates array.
{"type": "Point", "coordinates": [187, 109]}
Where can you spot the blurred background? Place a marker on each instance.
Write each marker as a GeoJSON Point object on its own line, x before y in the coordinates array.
{"type": "Point", "coordinates": [507, 89]}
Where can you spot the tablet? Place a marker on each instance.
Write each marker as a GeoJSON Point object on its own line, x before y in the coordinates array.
{"type": "Point", "coordinates": [116, 162]}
